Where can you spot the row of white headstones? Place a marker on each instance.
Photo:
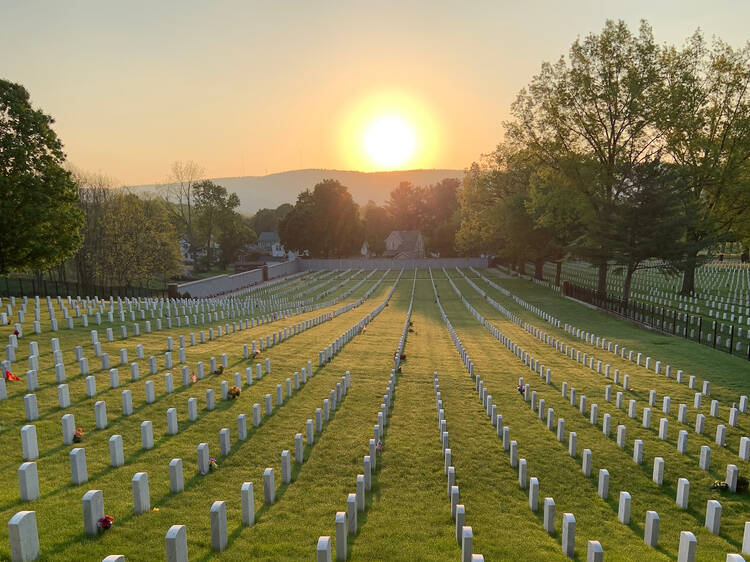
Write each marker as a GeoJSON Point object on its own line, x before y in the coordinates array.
{"type": "Point", "coordinates": [346, 521]}
{"type": "Point", "coordinates": [24, 536]}
{"type": "Point", "coordinates": [713, 509]}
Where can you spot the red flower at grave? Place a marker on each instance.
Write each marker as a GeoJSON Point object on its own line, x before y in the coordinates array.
{"type": "Point", "coordinates": [16, 332]}
{"type": "Point", "coordinates": [105, 522]}
{"type": "Point", "coordinates": [10, 376]}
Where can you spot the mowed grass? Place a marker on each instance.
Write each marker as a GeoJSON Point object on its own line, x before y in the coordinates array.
{"type": "Point", "coordinates": [59, 508]}
{"type": "Point", "coordinates": [408, 511]}
{"type": "Point", "coordinates": [624, 473]}
{"type": "Point", "coordinates": [725, 371]}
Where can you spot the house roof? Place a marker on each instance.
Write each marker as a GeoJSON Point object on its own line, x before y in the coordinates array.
{"type": "Point", "coordinates": [268, 237]}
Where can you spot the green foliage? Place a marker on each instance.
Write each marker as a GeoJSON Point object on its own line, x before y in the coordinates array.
{"type": "Point", "coordinates": [139, 240]}
{"type": "Point", "coordinates": [267, 220]}
{"type": "Point", "coordinates": [236, 233]}
{"type": "Point", "coordinates": [40, 219]}
{"type": "Point", "coordinates": [590, 116]}
{"type": "Point", "coordinates": [479, 231]}
{"type": "Point", "coordinates": [179, 200]}
{"type": "Point", "coordinates": [127, 240]}
{"type": "Point", "coordinates": [378, 225]}
{"type": "Point", "coordinates": [704, 115]}
{"type": "Point", "coordinates": [518, 208]}
{"type": "Point", "coordinates": [218, 224]}
{"type": "Point", "coordinates": [651, 220]}
{"type": "Point", "coordinates": [324, 222]}
{"type": "Point", "coordinates": [583, 132]}
{"type": "Point", "coordinates": [433, 210]}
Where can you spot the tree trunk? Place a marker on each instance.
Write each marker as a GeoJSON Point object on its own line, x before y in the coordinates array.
{"type": "Point", "coordinates": [688, 278]}
{"type": "Point", "coordinates": [539, 269]}
{"type": "Point", "coordinates": [626, 287]}
{"type": "Point", "coordinates": [602, 281]}
{"type": "Point", "coordinates": [558, 273]}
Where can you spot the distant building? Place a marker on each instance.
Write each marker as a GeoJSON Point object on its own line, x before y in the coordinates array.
{"type": "Point", "coordinates": [404, 244]}
{"type": "Point", "coordinates": [271, 244]}
{"type": "Point", "coordinates": [191, 254]}
{"type": "Point", "coordinates": [187, 257]}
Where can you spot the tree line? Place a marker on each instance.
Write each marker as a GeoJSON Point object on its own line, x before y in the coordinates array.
{"type": "Point", "coordinates": [624, 153]}
{"type": "Point", "coordinates": [325, 222]}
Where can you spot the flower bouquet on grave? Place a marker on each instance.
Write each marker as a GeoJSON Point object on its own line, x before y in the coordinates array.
{"type": "Point", "coordinates": [256, 353]}
{"type": "Point", "coordinates": [212, 464]}
{"type": "Point", "coordinates": [379, 447]}
{"type": "Point", "coordinates": [234, 392]}
{"type": "Point", "coordinates": [220, 370]}
{"type": "Point", "coordinates": [105, 522]}
{"type": "Point", "coordinates": [78, 435]}
{"type": "Point", "coordinates": [719, 485]}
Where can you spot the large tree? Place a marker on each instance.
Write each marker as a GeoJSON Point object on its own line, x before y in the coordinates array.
{"type": "Point", "coordinates": [38, 198]}
{"type": "Point", "coordinates": [704, 114]}
{"type": "Point", "coordinates": [215, 210]}
{"type": "Point", "coordinates": [180, 196]}
{"type": "Point", "coordinates": [140, 241]}
{"type": "Point", "coordinates": [407, 206]}
{"type": "Point", "coordinates": [95, 192]}
{"type": "Point", "coordinates": [441, 218]}
{"type": "Point", "coordinates": [324, 222]}
{"type": "Point", "coordinates": [267, 220]}
{"type": "Point", "coordinates": [591, 118]}
{"type": "Point", "coordinates": [433, 210]}
{"type": "Point", "coordinates": [236, 233]}
{"type": "Point", "coordinates": [515, 206]}
{"type": "Point", "coordinates": [480, 229]}
{"type": "Point", "coordinates": [648, 224]}
{"type": "Point", "coordinates": [378, 225]}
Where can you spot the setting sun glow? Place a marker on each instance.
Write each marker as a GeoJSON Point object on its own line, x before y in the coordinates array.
{"type": "Point", "coordinates": [390, 141]}
{"type": "Point", "coordinates": [388, 130]}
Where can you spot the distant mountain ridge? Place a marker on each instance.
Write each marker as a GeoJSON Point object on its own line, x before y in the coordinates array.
{"type": "Point", "coordinates": [257, 192]}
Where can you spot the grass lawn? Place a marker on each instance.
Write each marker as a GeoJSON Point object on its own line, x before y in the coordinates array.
{"type": "Point", "coordinates": [407, 514]}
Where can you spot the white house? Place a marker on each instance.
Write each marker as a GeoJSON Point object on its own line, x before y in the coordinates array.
{"type": "Point", "coordinates": [271, 243]}
{"type": "Point", "coordinates": [404, 244]}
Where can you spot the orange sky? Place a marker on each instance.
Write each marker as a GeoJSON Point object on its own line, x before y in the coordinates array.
{"type": "Point", "coordinates": [249, 88]}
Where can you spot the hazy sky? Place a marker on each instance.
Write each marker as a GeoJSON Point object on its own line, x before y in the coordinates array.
{"type": "Point", "coordinates": [249, 88]}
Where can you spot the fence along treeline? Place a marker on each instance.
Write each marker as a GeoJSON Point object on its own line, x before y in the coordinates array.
{"type": "Point", "coordinates": [676, 322]}
{"type": "Point", "coordinates": [622, 152]}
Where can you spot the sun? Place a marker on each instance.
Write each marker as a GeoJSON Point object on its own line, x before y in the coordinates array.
{"type": "Point", "coordinates": [390, 141]}
{"type": "Point", "coordinates": [388, 130]}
